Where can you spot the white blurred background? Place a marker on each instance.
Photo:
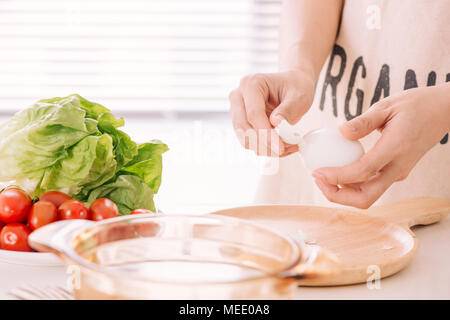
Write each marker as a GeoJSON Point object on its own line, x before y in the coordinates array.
{"type": "Point", "coordinates": [166, 66]}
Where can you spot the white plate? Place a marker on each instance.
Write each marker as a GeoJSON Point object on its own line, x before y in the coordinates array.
{"type": "Point", "coordinates": [29, 258]}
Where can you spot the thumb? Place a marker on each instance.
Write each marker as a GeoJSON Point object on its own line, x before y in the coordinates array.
{"type": "Point", "coordinates": [364, 124]}
{"type": "Point", "coordinates": [290, 110]}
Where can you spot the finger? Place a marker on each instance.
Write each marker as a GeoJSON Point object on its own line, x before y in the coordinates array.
{"type": "Point", "coordinates": [237, 111]}
{"type": "Point", "coordinates": [247, 136]}
{"type": "Point", "coordinates": [256, 93]}
{"type": "Point", "coordinates": [363, 169]}
{"type": "Point", "coordinates": [360, 195]}
{"type": "Point", "coordinates": [364, 124]}
{"type": "Point", "coordinates": [239, 119]}
{"type": "Point", "coordinates": [290, 110]}
{"type": "Point", "coordinates": [290, 149]}
{"type": "Point", "coordinates": [250, 139]}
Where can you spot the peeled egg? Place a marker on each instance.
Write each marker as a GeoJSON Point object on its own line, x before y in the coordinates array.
{"type": "Point", "coordinates": [329, 148]}
{"type": "Point", "coordinates": [322, 147]}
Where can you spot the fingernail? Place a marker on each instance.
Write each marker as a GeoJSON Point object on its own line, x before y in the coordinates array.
{"type": "Point", "coordinates": [276, 119]}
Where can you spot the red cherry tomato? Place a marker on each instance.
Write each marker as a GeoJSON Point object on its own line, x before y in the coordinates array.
{"type": "Point", "coordinates": [73, 209]}
{"type": "Point", "coordinates": [1, 225]}
{"type": "Point", "coordinates": [56, 197]}
{"type": "Point", "coordinates": [14, 236]}
{"type": "Point", "coordinates": [14, 205]}
{"type": "Point", "coordinates": [141, 211]}
{"type": "Point", "coordinates": [146, 229]}
{"type": "Point", "coordinates": [42, 213]}
{"type": "Point", "coordinates": [103, 209]}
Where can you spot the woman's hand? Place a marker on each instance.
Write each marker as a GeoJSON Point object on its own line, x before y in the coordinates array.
{"type": "Point", "coordinates": [410, 123]}
{"type": "Point", "coordinates": [262, 101]}
{"type": "Point", "coordinates": [307, 34]}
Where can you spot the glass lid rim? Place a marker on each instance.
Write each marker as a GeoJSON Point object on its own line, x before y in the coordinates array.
{"type": "Point", "coordinates": [94, 267]}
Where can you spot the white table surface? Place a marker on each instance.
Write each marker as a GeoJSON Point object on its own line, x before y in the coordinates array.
{"type": "Point", "coordinates": [427, 277]}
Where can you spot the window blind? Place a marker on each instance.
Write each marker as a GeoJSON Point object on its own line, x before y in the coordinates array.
{"type": "Point", "coordinates": [137, 55]}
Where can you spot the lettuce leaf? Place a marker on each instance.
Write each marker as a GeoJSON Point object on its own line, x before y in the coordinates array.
{"type": "Point", "coordinates": [124, 148]}
{"type": "Point", "coordinates": [72, 169]}
{"type": "Point", "coordinates": [147, 164]}
{"type": "Point", "coordinates": [93, 110]}
{"type": "Point", "coordinates": [108, 118]}
{"type": "Point", "coordinates": [104, 166]}
{"type": "Point", "coordinates": [39, 137]}
{"type": "Point", "coordinates": [128, 192]}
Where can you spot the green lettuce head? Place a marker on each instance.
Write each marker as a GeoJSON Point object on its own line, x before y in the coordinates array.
{"type": "Point", "coordinates": [73, 145]}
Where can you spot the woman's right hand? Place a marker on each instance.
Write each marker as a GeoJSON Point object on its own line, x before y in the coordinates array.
{"type": "Point", "coordinates": [262, 101]}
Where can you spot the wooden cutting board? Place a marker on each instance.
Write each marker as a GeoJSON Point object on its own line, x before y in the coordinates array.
{"type": "Point", "coordinates": [361, 239]}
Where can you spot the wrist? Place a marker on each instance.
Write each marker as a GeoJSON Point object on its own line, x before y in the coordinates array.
{"type": "Point", "coordinates": [299, 77]}
{"type": "Point", "coordinates": [299, 58]}
{"type": "Point", "coordinates": [303, 70]}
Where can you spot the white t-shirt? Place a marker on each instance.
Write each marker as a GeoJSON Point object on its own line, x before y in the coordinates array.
{"type": "Point", "coordinates": [383, 47]}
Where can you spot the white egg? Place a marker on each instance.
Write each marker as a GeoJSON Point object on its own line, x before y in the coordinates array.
{"type": "Point", "coordinates": [322, 147]}
{"type": "Point", "coordinates": [329, 148]}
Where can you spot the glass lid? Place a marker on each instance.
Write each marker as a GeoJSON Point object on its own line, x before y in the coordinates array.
{"type": "Point", "coordinates": [183, 249]}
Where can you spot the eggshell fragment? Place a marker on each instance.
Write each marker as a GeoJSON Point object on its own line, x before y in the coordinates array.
{"type": "Point", "coordinates": [288, 133]}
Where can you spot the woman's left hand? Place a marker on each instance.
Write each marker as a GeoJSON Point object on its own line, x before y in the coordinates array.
{"type": "Point", "coordinates": [410, 123]}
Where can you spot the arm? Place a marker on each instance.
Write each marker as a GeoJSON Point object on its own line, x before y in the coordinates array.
{"type": "Point", "coordinates": [262, 101]}
{"type": "Point", "coordinates": [308, 30]}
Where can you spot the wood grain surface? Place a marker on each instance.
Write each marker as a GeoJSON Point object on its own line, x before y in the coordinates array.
{"type": "Point", "coordinates": [363, 240]}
